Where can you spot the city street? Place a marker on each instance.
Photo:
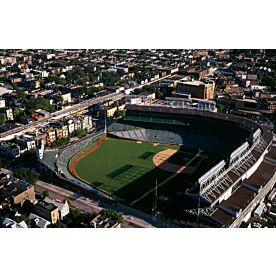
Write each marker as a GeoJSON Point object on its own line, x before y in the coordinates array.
{"type": "Point", "coordinates": [89, 205]}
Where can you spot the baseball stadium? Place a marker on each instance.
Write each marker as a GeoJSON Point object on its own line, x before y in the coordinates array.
{"type": "Point", "coordinates": [178, 163]}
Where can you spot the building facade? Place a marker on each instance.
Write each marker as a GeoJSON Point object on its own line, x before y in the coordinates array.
{"type": "Point", "coordinates": [196, 89]}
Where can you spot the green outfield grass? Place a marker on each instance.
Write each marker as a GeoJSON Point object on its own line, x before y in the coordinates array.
{"type": "Point", "coordinates": [125, 169]}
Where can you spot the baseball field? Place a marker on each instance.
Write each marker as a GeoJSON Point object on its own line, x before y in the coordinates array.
{"type": "Point", "coordinates": [130, 170]}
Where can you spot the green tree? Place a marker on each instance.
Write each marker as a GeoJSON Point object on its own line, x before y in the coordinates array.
{"type": "Point", "coordinates": [2, 163]}
{"type": "Point", "coordinates": [220, 107]}
{"type": "Point", "coordinates": [21, 218]}
{"type": "Point", "coordinates": [118, 113]}
{"type": "Point", "coordinates": [2, 118]}
{"type": "Point", "coordinates": [60, 81]}
{"type": "Point", "coordinates": [58, 99]}
{"type": "Point", "coordinates": [113, 215]}
{"type": "Point", "coordinates": [81, 133]}
{"type": "Point", "coordinates": [39, 103]}
{"type": "Point", "coordinates": [21, 95]}
{"type": "Point", "coordinates": [17, 112]}
{"type": "Point", "coordinates": [26, 174]}
{"type": "Point", "coordinates": [45, 193]}
{"type": "Point", "coordinates": [268, 80]}
{"type": "Point", "coordinates": [164, 92]}
{"type": "Point", "coordinates": [60, 225]}
{"type": "Point", "coordinates": [60, 142]}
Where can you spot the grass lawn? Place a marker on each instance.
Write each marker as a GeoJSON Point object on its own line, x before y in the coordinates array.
{"type": "Point", "coordinates": [125, 169]}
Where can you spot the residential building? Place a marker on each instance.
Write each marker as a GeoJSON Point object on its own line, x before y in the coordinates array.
{"type": "Point", "coordinates": [64, 131]}
{"type": "Point", "coordinates": [9, 223]}
{"type": "Point", "coordinates": [246, 104]}
{"type": "Point", "coordinates": [14, 191]}
{"type": "Point", "coordinates": [51, 136]}
{"type": "Point", "coordinates": [10, 149]}
{"type": "Point", "coordinates": [39, 221]}
{"type": "Point", "coordinates": [87, 122]}
{"type": "Point", "coordinates": [26, 141]}
{"type": "Point", "coordinates": [196, 89]}
{"type": "Point", "coordinates": [77, 123]}
{"type": "Point", "coordinates": [42, 113]}
{"type": "Point", "coordinates": [71, 126]}
{"type": "Point", "coordinates": [2, 103]}
{"type": "Point", "coordinates": [63, 207]}
{"type": "Point", "coordinates": [61, 130]}
{"type": "Point", "coordinates": [101, 221]}
{"type": "Point", "coordinates": [9, 114]}
{"type": "Point", "coordinates": [110, 111]}
{"type": "Point", "coordinates": [47, 210]}
{"type": "Point", "coordinates": [66, 98]}
{"type": "Point", "coordinates": [58, 132]}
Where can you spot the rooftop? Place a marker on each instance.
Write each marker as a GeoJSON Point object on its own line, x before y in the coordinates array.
{"type": "Point", "coordinates": [45, 205]}
{"type": "Point", "coordinates": [58, 203]}
{"type": "Point", "coordinates": [196, 82]}
{"type": "Point", "coordinates": [103, 222]}
{"type": "Point", "coordinates": [14, 187]}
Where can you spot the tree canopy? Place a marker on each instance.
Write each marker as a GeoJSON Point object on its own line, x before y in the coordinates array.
{"type": "Point", "coordinates": [111, 214]}
{"type": "Point", "coordinates": [39, 103]}
{"type": "Point", "coordinates": [26, 174]}
{"type": "Point", "coordinates": [2, 118]}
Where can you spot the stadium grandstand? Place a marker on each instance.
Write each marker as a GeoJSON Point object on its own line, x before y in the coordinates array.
{"type": "Point", "coordinates": [244, 144]}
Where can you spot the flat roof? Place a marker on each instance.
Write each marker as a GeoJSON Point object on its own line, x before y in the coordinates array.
{"type": "Point", "coordinates": [46, 205]}
{"type": "Point", "coordinates": [4, 90]}
{"type": "Point", "coordinates": [14, 187]}
{"type": "Point", "coordinates": [248, 100]}
{"type": "Point", "coordinates": [196, 82]}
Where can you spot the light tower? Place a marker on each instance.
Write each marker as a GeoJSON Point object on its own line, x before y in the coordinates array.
{"type": "Point", "coordinates": [105, 128]}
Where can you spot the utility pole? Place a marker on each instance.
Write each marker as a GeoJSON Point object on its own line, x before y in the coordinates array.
{"type": "Point", "coordinates": [155, 200]}
{"type": "Point", "coordinates": [105, 128]}
{"type": "Point", "coordinates": [198, 206]}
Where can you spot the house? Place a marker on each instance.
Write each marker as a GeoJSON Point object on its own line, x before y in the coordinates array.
{"type": "Point", "coordinates": [39, 221]}
{"type": "Point", "coordinates": [9, 114]}
{"type": "Point", "coordinates": [87, 122]}
{"type": "Point", "coordinates": [63, 207]}
{"type": "Point", "coordinates": [14, 191]}
{"type": "Point", "coordinates": [71, 126]}
{"type": "Point", "coordinates": [61, 130]}
{"type": "Point", "coordinates": [66, 98]}
{"type": "Point", "coordinates": [77, 123]}
{"type": "Point", "coordinates": [9, 223]}
{"type": "Point", "coordinates": [25, 141]}
{"type": "Point", "coordinates": [43, 113]}
{"type": "Point", "coordinates": [101, 221]}
{"type": "Point", "coordinates": [10, 149]}
{"type": "Point", "coordinates": [2, 103]}
{"type": "Point", "coordinates": [47, 210]}
{"type": "Point", "coordinates": [51, 136]}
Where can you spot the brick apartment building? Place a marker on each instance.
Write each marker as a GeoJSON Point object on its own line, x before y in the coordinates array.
{"type": "Point", "coordinates": [195, 89]}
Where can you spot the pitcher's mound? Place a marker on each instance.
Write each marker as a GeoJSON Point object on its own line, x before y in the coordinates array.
{"type": "Point", "coordinates": [160, 160]}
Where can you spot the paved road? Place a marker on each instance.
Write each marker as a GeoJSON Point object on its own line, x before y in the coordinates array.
{"type": "Point", "coordinates": [89, 205]}
{"type": "Point", "coordinates": [71, 110]}
{"type": "Point", "coordinates": [61, 113]}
